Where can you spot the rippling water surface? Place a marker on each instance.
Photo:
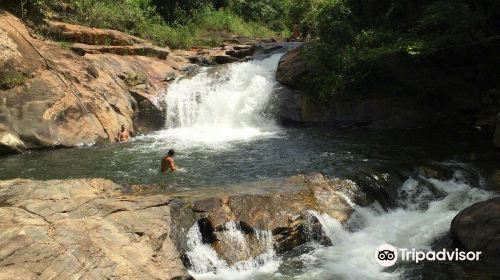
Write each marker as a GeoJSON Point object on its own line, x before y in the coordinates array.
{"type": "Point", "coordinates": [222, 124]}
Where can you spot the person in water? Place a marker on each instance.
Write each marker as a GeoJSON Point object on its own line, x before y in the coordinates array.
{"type": "Point", "coordinates": [168, 162]}
{"type": "Point", "coordinates": [123, 135]}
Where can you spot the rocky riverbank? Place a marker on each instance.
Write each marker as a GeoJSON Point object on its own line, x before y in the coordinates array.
{"type": "Point", "coordinates": [81, 90]}
{"type": "Point", "coordinates": [97, 229]}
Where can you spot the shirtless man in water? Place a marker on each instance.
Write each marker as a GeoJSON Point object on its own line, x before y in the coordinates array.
{"type": "Point", "coordinates": [168, 162]}
{"type": "Point", "coordinates": [123, 135]}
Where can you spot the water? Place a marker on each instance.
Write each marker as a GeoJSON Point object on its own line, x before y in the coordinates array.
{"type": "Point", "coordinates": [286, 152]}
{"type": "Point", "coordinates": [206, 264]}
{"type": "Point", "coordinates": [222, 124]}
{"type": "Point", "coordinates": [351, 255]}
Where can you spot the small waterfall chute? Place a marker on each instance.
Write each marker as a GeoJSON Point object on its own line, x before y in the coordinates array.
{"type": "Point", "coordinates": [205, 261]}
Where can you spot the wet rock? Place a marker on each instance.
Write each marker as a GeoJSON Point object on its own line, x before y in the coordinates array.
{"type": "Point", "coordinates": [224, 59]}
{"type": "Point", "coordinates": [292, 69]}
{"type": "Point", "coordinates": [199, 60]}
{"type": "Point", "coordinates": [240, 51]}
{"type": "Point", "coordinates": [284, 213]}
{"type": "Point", "coordinates": [435, 172]}
{"type": "Point", "coordinates": [84, 228]}
{"type": "Point", "coordinates": [386, 96]}
{"type": "Point", "coordinates": [418, 197]}
{"type": "Point", "coordinates": [494, 180]}
{"type": "Point", "coordinates": [267, 48]}
{"type": "Point", "coordinates": [235, 241]}
{"type": "Point", "coordinates": [477, 228]}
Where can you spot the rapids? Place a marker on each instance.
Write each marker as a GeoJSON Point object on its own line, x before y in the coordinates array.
{"type": "Point", "coordinates": [223, 124]}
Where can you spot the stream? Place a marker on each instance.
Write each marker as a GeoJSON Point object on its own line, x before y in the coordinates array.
{"type": "Point", "coordinates": [224, 128]}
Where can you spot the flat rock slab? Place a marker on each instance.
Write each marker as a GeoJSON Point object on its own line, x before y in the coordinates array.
{"type": "Point", "coordinates": [139, 49]}
{"type": "Point", "coordinates": [91, 36]}
{"type": "Point", "coordinates": [84, 229]}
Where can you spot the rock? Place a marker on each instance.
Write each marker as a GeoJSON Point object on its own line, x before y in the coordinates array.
{"type": "Point", "coordinates": [292, 69]}
{"type": "Point", "coordinates": [90, 36]}
{"type": "Point", "coordinates": [477, 228]}
{"type": "Point", "coordinates": [394, 91]}
{"type": "Point", "coordinates": [138, 49]}
{"type": "Point", "coordinates": [290, 106]}
{"type": "Point", "coordinates": [239, 54]}
{"type": "Point", "coordinates": [267, 48]}
{"type": "Point", "coordinates": [149, 117]}
{"type": "Point", "coordinates": [435, 172]}
{"type": "Point", "coordinates": [285, 214]}
{"type": "Point", "coordinates": [147, 79]}
{"type": "Point", "coordinates": [51, 97]}
{"type": "Point", "coordinates": [224, 59]}
{"type": "Point", "coordinates": [199, 60]}
{"type": "Point", "coordinates": [85, 229]}
{"type": "Point", "coordinates": [56, 101]}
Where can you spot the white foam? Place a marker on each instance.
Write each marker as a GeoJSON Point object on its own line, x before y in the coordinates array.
{"type": "Point", "coordinates": [215, 109]}
{"type": "Point", "coordinates": [351, 257]}
{"type": "Point", "coordinates": [206, 264]}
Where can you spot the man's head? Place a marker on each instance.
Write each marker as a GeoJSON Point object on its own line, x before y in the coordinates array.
{"type": "Point", "coordinates": [123, 127]}
{"type": "Point", "coordinates": [171, 152]}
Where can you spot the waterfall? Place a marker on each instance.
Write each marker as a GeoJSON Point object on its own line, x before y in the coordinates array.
{"type": "Point", "coordinates": [233, 102]}
{"type": "Point", "coordinates": [423, 219]}
{"type": "Point", "coordinates": [206, 264]}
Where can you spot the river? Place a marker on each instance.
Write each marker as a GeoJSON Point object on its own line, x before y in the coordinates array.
{"type": "Point", "coordinates": [224, 127]}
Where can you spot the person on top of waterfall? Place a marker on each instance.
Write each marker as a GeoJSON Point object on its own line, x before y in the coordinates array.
{"type": "Point", "coordinates": [123, 135]}
{"type": "Point", "coordinates": [295, 32]}
{"type": "Point", "coordinates": [168, 162]}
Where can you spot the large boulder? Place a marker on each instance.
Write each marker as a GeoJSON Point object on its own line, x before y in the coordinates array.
{"type": "Point", "coordinates": [50, 96]}
{"type": "Point", "coordinates": [477, 228]}
{"type": "Point", "coordinates": [84, 229]}
{"type": "Point", "coordinates": [396, 90]}
{"type": "Point", "coordinates": [293, 69]}
{"type": "Point", "coordinates": [280, 219]}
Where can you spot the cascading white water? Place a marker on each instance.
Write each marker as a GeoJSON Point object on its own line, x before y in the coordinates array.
{"type": "Point", "coordinates": [423, 218]}
{"type": "Point", "coordinates": [414, 226]}
{"type": "Point", "coordinates": [223, 104]}
{"type": "Point", "coordinates": [206, 264]}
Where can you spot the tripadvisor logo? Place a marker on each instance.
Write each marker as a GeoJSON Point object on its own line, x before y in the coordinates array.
{"type": "Point", "coordinates": [387, 255]}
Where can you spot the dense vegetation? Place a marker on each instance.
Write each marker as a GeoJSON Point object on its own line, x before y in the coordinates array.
{"type": "Point", "coordinates": [356, 35]}
{"type": "Point", "coordinates": [350, 36]}
{"type": "Point", "coordinates": [176, 23]}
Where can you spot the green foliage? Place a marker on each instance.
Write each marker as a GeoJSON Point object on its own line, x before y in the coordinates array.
{"type": "Point", "coordinates": [178, 24]}
{"type": "Point", "coordinates": [334, 22]}
{"type": "Point", "coordinates": [354, 35]}
{"type": "Point", "coordinates": [269, 12]}
{"type": "Point", "coordinates": [10, 80]}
